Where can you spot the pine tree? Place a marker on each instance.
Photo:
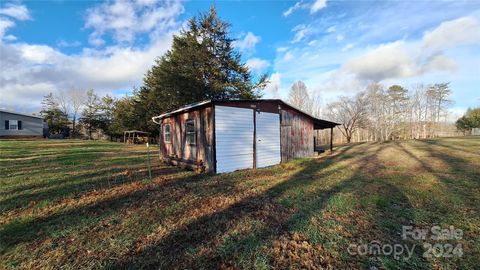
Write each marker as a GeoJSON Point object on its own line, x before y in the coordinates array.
{"type": "Point", "coordinates": [202, 64]}
{"type": "Point", "coordinates": [91, 117]}
{"type": "Point", "coordinates": [56, 119]}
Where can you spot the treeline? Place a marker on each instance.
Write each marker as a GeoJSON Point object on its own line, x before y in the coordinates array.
{"type": "Point", "coordinates": [381, 113]}
{"type": "Point", "coordinates": [202, 64]}
{"type": "Point", "coordinates": [78, 113]}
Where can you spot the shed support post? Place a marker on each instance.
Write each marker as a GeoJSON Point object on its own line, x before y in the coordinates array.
{"type": "Point", "coordinates": [331, 139]}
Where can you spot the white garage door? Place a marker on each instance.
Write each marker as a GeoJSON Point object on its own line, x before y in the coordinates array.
{"type": "Point", "coordinates": [233, 138]}
{"type": "Point", "coordinates": [268, 139]}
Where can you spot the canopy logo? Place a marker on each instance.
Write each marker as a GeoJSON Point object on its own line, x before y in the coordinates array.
{"type": "Point", "coordinates": [436, 242]}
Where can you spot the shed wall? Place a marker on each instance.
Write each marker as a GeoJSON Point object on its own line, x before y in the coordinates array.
{"type": "Point", "coordinates": [179, 151]}
{"type": "Point", "coordinates": [296, 131]}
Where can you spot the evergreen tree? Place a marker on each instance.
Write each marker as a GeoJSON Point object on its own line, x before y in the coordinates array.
{"type": "Point", "coordinates": [469, 121]}
{"type": "Point", "coordinates": [56, 119]}
{"type": "Point", "coordinates": [202, 64]}
{"type": "Point", "coordinates": [91, 115]}
{"type": "Point", "coordinates": [107, 109]}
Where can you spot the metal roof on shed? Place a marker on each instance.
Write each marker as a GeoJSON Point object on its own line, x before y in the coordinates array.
{"type": "Point", "coordinates": [318, 123]}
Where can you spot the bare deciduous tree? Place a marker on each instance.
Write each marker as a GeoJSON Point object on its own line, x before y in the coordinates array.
{"type": "Point", "coordinates": [394, 113]}
{"type": "Point", "coordinates": [77, 99]}
{"type": "Point", "coordinates": [70, 103]}
{"type": "Point", "coordinates": [350, 113]}
{"type": "Point", "coordinates": [63, 102]}
{"type": "Point", "coordinates": [300, 98]}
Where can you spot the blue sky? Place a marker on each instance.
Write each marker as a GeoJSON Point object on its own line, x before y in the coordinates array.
{"type": "Point", "coordinates": [335, 47]}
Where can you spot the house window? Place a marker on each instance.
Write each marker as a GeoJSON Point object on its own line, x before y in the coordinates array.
{"type": "Point", "coordinates": [190, 129]}
{"type": "Point", "coordinates": [167, 135]}
{"type": "Point", "coordinates": [13, 124]}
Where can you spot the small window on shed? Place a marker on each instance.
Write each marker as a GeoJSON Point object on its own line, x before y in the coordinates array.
{"type": "Point", "coordinates": [190, 129]}
{"type": "Point", "coordinates": [167, 135]}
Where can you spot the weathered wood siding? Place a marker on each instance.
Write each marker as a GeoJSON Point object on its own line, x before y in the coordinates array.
{"type": "Point", "coordinates": [296, 131]}
{"type": "Point", "coordinates": [200, 154]}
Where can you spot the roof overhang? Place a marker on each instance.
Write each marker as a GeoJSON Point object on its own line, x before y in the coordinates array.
{"type": "Point", "coordinates": [188, 107]}
{"type": "Point", "coordinates": [323, 124]}
{"type": "Point", "coordinates": [317, 123]}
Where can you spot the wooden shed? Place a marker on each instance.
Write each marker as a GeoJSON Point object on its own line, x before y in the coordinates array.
{"type": "Point", "coordinates": [228, 135]}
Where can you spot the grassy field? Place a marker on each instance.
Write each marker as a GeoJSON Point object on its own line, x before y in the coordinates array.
{"type": "Point", "coordinates": [85, 205]}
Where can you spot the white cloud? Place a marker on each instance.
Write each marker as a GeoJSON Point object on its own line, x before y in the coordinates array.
{"type": "Point", "coordinates": [30, 71]}
{"type": "Point", "coordinates": [439, 62]}
{"type": "Point", "coordinates": [338, 82]}
{"type": "Point", "coordinates": [402, 59]}
{"type": "Point", "coordinates": [125, 19]}
{"type": "Point", "coordinates": [63, 43]}
{"type": "Point", "coordinates": [297, 6]}
{"type": "Point", "coordinates": [459, 32]}
{"type": "Point", "coordinates": [274, 85]}
{"type": "Point", "coordinates": [348, 47]}
{"type": "Point", "coordinates": [18, 12]}
{"type": "Point", "coordinates": [5, 24]}
{"type": "Point", "coordinates": [397, 60]}
{"type": "Point", "coordinates": [26, 96]}
{"type": "Point", "coordinates": [331, 29]}
{"type": "Point", "coordinates": [38, 54]}
{"type": "Point", "coordinates": [257, 65]}
{"type": "Point", "coordinates": [317, 5]}
{"type": "Point", "coordinates": [12, 12]}
{"type": "Point", "coordinates": [301, 32]}
{"type": "Point", "coordinates": [247, 43]}
{"type": "Point", "coordinates": [282, 49]}
{"type": "Point", "coordinates": [10, 38]}
{"type": "Point", "coordinates": [115, 68]}
{"type": "Point", "coordinates": [335, 71]}
{"type": "Point", "coordinates": [288, 57]}
{"type": "Point", "coordinates": [145, 2]}
{"type": "Point", "coordinates": [340, 37]}
{"type": "Point", "coordinates": [385, 61]}
{"type": "Point", "coordinates": [314, 7]}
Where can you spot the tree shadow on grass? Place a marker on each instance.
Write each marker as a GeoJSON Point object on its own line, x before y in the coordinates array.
{"type": "Point", "coordinates": [184, 247]}
{"type": "Point", "coordinates": [457, 174]}
{"type": "Point", "coordinates": [76, 185]}
{"type": "Point", "coordinates": [460, 199]}
{"type": "Point", "coordinates": [174, 250]}
{"type": "Point", "coordinates": [28, 229]}
{"type": "Point", "coordinates": [443, 144]}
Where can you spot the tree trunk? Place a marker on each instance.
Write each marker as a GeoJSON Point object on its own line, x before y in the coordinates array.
{"type": "Point", "coordinates": [73, 125]}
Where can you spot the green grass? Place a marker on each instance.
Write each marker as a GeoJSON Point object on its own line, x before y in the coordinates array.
{"type": "Point", "coordinates": [90, 205]}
